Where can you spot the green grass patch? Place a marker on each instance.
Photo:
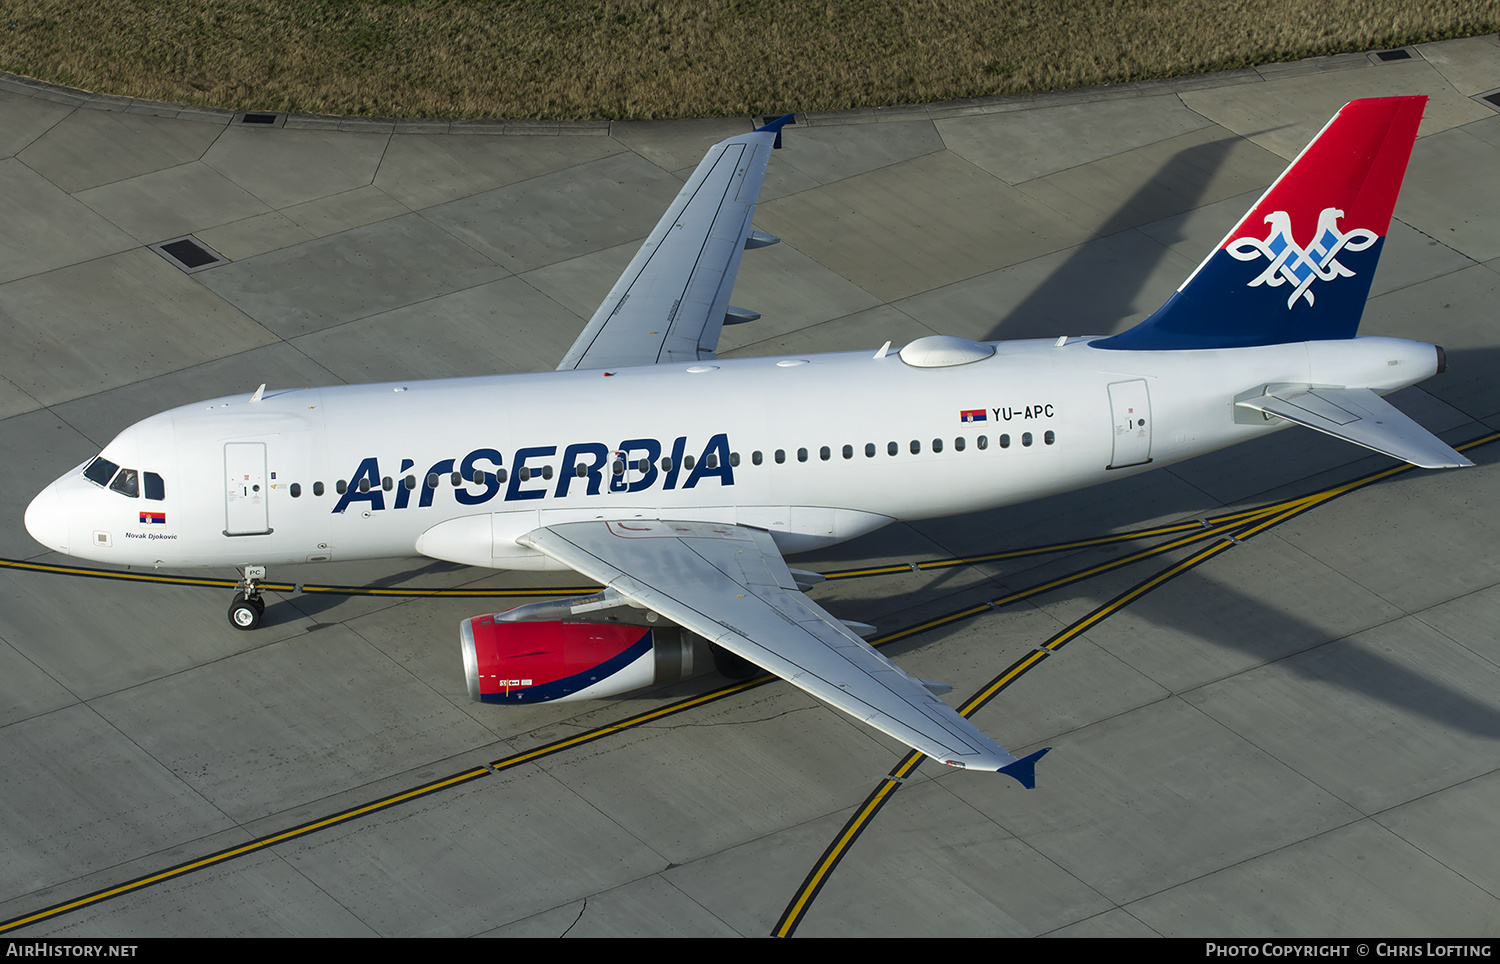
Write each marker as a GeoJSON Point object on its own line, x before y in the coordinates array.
{"type": "Point", "coordinates": [663, 58]}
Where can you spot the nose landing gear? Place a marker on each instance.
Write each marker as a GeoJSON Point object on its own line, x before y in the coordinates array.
{"type": "Point", "coordinates": [248, 606]}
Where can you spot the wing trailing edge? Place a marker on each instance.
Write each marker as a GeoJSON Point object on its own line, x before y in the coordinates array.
{"type": "Point", "coordinates": [729, 585]}
{"type": "Point", "coordinates": [672, 302]}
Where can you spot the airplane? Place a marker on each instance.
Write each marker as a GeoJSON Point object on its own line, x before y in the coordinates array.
{"type": "Point", "coordinates": [679, 480]}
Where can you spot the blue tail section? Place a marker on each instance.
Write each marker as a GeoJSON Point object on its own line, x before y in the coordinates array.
{"type": "Point", "coordinates": [1024, 769]}
{"type": "Point", "coordinates": [1298, 266]}
{"type": "Point", "coordinates": [775, 127]}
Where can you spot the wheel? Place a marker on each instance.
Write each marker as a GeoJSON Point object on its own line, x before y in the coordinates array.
{"type": "Point", "coordinates": [245, 613]}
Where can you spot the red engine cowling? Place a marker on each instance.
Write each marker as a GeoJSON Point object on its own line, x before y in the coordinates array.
{"type": "Point", "coordinates": [542, 662]}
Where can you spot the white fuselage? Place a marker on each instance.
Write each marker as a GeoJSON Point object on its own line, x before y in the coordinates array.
{"type": "Point", "coordinates": [813, 448]}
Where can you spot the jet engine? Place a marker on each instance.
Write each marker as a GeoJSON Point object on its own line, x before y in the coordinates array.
{"type": "Point", "coordinates": [520, 656]}
{"type": "Point", "coordinates": [589, 648]}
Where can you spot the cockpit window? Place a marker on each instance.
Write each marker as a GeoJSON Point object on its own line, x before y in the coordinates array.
{"type": "Point", "coordinates": [100, 470]}
{"type": "Point", "coordinates": [127, 483]}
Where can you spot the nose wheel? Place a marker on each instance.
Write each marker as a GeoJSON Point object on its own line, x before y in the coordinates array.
{"type": "Point", "coordinates": [248, 607]}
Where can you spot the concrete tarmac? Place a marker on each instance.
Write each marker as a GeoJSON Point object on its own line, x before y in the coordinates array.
{"type": "Point", "coordinates": [1301, 737]}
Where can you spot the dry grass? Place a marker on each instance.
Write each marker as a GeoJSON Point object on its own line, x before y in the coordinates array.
{"type": "Point", "coordinates": [665, 58]}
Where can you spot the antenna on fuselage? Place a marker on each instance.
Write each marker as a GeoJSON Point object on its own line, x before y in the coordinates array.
{"type": "Point", "coordinates": [258, 393]}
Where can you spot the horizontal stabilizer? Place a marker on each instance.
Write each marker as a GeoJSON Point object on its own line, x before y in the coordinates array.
{"type": "Point", "coordinates": [1360, 416]}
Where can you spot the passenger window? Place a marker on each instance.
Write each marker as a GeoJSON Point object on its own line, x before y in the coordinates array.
{"type": "Point", "coordinates": [958, 444]}
{"type": "Point", "coordinates": [734, 461]}
{"type": "Point", "coordinates": [983, 442]}
{"type": "Point", "coordinates": [156, 489]}
{"type": "Point", "coordinates": [869, 450]}
{"type": "Point", "coordinates": [802, 455]}
{"type": "Point", "coordinates": [546, 471]}
{"type": "Point", "coordinates": [848, 451]}
{"type": "Point", "coordinates": [780, 456]}
{"type": "Point", "coordinates": [711, 462]}
{"type": "Point", "coordinates": [580, 470]}
{"type": "Point", "coordinates": [666, 464]}
{"type": "Point", "coordinates": [410, 482]}
{"type": "Point", "coordinates": [100, 471]}
{"type": "Point", "coordinates": [916, 447]}
{"type": "Point", "coordinates": [823, 453]}
{"type": "Point", "coordinates": [1026, 438]}
{"type": "Point", "coordinates": [432, 480]}
{"type": "Point", "coordinates": [937, 445]}
{"type": "Point", "coordinates": [317, 488]}
{"type": "Point", "coordinates": [296, 490]}
{"type": "Point", "coordinates": [387, 483]}
{"type": "Point", "coordinates": [524, 473]}
{"type": "Point", "coordinates": [1005, 441]}
{"type": "Point", "coordinates": [341, 487]}
{"type": "Point", "coordinates": [364, 485]}
{"type": "Point", "coordinates": [1050, 437]}
{"type": "Point", "coordinates": [755, 457]}
{"type": "Point", "coordinates": [456, 479]}
{"type": "Point", "coordinates": [687, 462]}
{"type": "Point", "coordinates": [892, 449]}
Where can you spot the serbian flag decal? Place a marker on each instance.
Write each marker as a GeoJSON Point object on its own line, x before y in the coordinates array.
{"type": "Point", "coordinates": [971, 415]}
{"type": "Point", "coordinates": [153, 518]}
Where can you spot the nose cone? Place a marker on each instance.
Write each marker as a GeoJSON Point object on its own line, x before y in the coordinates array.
{"type": "Point", "coordinates": [47, 520]}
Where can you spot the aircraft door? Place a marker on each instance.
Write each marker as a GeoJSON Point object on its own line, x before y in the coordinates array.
{"type": "Point", "coordinates": [245, 489]}
{"type": "Point", "coordinates": [1130, 405]}
{"type": "Point", "coordinates": [632, 470]}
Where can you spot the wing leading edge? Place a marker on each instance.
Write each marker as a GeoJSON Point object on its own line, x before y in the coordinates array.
{"type": "Point", "coordinates": [729, 584]}
{"type": "Point", "coordinates": [670, 303]}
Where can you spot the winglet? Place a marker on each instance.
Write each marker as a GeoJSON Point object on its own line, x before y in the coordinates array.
{"type": "Point", "coordinates": [1024, 769]}
{"type": "Point", "coordinates": [775, 127]}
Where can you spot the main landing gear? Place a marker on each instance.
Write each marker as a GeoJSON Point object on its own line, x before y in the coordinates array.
{"type": "Point", "coordinates": [248, 606]}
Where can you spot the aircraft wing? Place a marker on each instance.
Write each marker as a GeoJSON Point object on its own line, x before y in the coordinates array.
{"type": "Point", "coordinates": [729, 584]}
{"type": "Point", "coordinates": [1360, 416]}
{"type": "Point", "coordinates": [670, 304]}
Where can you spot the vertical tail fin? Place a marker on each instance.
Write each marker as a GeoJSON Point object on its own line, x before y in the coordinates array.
{"type": "Point", "coordinates": [1298, 266]}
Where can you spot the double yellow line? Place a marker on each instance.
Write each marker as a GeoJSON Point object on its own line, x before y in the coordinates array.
{"type": "Point", "coordinates": [1224, 533]}
{"type": "Point", "coordinates": [1227, 530]}
{"type": "Point", "coordinates": [21, 565]}
{"type": "Point", "coordinates": [374, 806]}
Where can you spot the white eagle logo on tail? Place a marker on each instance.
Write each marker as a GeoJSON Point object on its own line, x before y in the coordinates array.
{"type": "Point", "coordinates": [1296, 266]}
